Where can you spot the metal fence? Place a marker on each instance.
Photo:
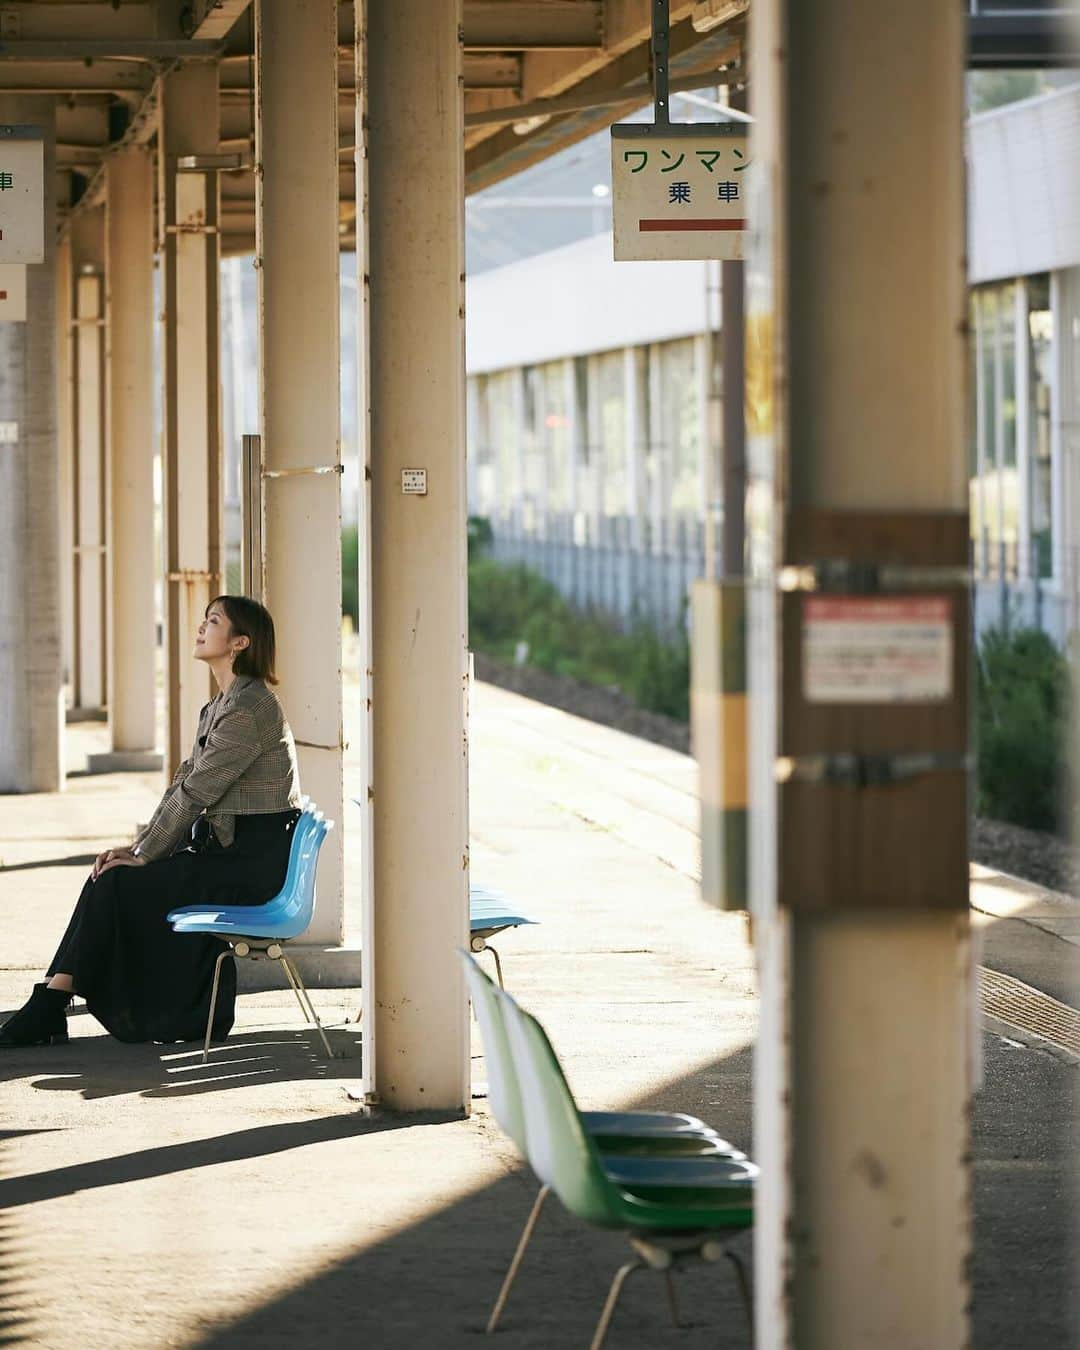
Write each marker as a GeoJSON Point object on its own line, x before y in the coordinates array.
{"type": "Point", "coordinates": [635, 571]}
{"type": "Point", "coordinates": [640, 571]}
{"type": "Point", "coordinates": [1003, 598]}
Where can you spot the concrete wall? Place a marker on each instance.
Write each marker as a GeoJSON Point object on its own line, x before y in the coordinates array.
{"type": "Point", "coordinates": [576, 300]}
{"type": "Point", "coordinates": [1024, 187]}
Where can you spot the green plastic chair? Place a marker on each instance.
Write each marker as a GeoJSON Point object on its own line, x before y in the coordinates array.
{"type": "Point", "coordinates": [686, 1215]}
{"type": "Point", "coordinates": [634, 1144]}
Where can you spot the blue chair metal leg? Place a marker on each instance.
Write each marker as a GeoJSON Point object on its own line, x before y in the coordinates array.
{"type": "Point", "coordinates": [213, 1003]}
{"type": "Point", "coordinates": [300, 990]}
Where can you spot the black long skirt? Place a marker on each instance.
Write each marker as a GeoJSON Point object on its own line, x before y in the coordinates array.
{"type": "Point", "coordinates": [142, 981]}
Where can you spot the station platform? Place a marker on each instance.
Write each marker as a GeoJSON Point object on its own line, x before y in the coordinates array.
{"type": "Point", "coordinates": [150, 1201]}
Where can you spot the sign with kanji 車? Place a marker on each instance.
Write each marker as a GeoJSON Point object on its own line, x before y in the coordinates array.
{"type": "Point", "coordinates": [22, 194]}
{"type": "Point", "coordinates": [679, 190]}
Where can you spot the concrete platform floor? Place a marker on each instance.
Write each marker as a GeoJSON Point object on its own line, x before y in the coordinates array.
{"type": "Point", "coordinates": [147, 1201]}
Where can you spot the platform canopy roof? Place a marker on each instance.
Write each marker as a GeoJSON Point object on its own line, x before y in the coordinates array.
{"type": "Point", "coordinates": [539, 75]}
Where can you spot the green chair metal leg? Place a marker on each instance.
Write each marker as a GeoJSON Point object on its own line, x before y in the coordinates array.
{"type": "Point", "coordinates": [744, 1288]}
{"type": "Point", "coordinates": [621, 1276]}
{"type": "Point", "coordinates": [672, 1302]}
{"type": "Point", "coordinates": [523, 1242]}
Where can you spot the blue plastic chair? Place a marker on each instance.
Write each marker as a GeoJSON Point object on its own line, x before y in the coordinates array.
{"type": "Point", "coordinates": [261, 931]}
{"type": "Point", "coordinates": [490, 913]}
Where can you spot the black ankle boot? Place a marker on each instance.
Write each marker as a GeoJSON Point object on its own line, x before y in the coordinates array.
{"type": "Point", "coordinates": [42, 1020]}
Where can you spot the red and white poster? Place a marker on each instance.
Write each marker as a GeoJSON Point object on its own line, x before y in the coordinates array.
{"type": "Point", "coordinates": [877, 649]}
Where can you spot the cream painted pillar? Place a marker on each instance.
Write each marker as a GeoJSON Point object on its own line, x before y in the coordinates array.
{"type": "Point", "coordinates": [855, 377]}
{"type": "Point", "coordinates": [65, 430]}
{"type": "Point", "coordinates": [31, 706]}
{"type": "Point", "coordinates": [90, 468]}
{"type": "Point", "coordinates": [190, 251]}
{"type": "Point", "coordinates": [296, 216]}
{"type": "Point", "coordinates": [129, 277]}
{"type": "Point", "coordinates": [411, 70]}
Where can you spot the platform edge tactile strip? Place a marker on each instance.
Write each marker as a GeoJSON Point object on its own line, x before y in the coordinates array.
{"type": "Point", "coordinates": [1028, 1009]}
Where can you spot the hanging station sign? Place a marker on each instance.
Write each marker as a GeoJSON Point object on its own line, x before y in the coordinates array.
{"type": "Point", "coordinates": [679, 190]}
{"type": "Point", "coordinates": [22, 194]}
{"type": "Point", "coordinates": [13, 292]}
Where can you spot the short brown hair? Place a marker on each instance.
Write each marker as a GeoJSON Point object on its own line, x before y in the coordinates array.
{"type": "Point", "coordinates": [247, 618]}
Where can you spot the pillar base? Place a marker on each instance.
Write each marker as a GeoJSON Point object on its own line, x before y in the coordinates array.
{"type": "Point", "coordinates": [125, 761]}
{"type": "Point", "coordinates": [320, 968]}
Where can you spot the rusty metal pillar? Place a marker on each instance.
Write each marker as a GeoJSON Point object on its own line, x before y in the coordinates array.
{"type": "Point", "coordinates": [190, 248]}
{"type": "Point", "coordinates": [131, 565]}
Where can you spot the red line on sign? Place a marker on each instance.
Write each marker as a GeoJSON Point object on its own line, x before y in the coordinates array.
{"type": "Point", "coordinates": [690, 223]}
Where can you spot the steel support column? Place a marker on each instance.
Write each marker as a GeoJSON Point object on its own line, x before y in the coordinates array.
{"type": "Point", "coordinates": [296, 213]}
{"type": "Point", "coordinates": [90, 469]}
{"type": "Point", "coordinates": [190, 250]}
{"type": "Point", "coordinates": [65, 427]}
{"type": "Point", "coordinates": [131, 565]}
{"type": "Point", "coordinates": [411, 59]}
{"type": "Point", "coordinates": [30, 689]}
{"type": "Point", "coordinates": [856, 323]}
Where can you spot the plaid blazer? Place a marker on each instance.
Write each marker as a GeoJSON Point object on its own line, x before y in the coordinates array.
{"type": "Point", "coordinates": [243, 763]}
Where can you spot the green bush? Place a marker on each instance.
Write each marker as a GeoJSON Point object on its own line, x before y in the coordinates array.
{"type": "Point", "coordinates": [509, 604]}
{"type": "Point", "coordinates": [350, 574]}
{"type": "Point", "coordinates": [1022, 711]}
{"type": "Point", "coordinates": [479, 535]}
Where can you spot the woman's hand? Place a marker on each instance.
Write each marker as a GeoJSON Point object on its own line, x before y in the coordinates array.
{"type": "Point", "coordinates": [115, 857]}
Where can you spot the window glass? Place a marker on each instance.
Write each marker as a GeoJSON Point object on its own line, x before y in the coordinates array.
{"type": "Point", "coordinates": [502, 416]}
{"type": "Point", "coordinates": [974, 431]}
{"type": "Point", "coordinates": [611, 427]}
{"type": "Point", "coordinates": [1008, 475]}
{"type": "Point", "coordinates": [1040, 332]}
{"type": "Point", "coordinates": [555, 427]}
{"type": "Point", "coordinates": [989, 423]}
{"type": "Point", "coordinates": [681, 419]}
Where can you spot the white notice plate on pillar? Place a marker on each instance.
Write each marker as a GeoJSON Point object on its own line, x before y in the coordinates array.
{"type": "Point", "coordinates": [22, 194]}
{"type": "Point", "coordinates": [871, 649]}
{"type": "Point", "coordinates": [13, 292]}
{"type": "Point", "coordinates": [679, 191]}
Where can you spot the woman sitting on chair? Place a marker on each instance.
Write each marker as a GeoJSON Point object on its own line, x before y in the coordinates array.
{"type": "Point", "coordinates": [220, 835]}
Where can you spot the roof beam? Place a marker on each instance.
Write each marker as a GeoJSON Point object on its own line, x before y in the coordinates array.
{"type": "Point", "coordinates": [492, 70]}
{"type": "Point", "coordinates": [1022, 41]}
{"type": "Point", "coordinates": [637, 91]}
{"type": "Point", "coordinates": [212, 19]}
{"type": "Point", "coordinates": [505, 152]}
{"type": "Point", "coordinates": [75, 77]}
{"type": "Point", "coordinates": [28, 21]}
{"type": "Point", "coordinates": [87, 50]}
{"type": "Point", "coordinates": [488, 70]}
{"type": "Point", "coordinates": [519, 25]}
